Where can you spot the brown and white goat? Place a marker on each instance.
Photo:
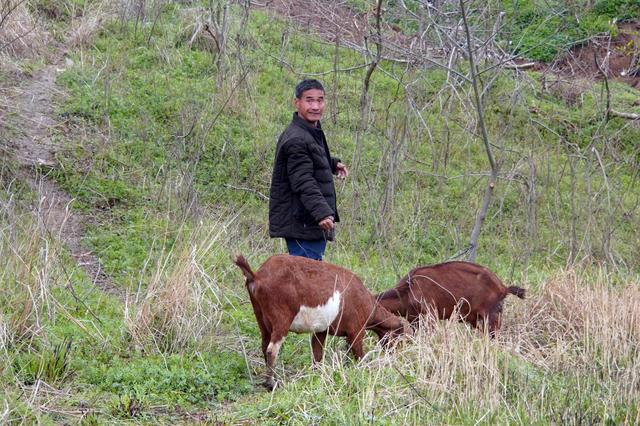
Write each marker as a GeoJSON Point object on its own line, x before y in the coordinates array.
{"type": "Point", "coordinates": [291, 293]}
{"type": "Point", "coordinates": [441, 289]}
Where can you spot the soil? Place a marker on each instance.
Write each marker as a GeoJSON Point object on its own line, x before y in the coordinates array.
{"type": "Point", "coordinates": [615, 58]}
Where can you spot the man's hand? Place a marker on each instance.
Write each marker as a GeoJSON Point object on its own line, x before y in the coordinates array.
{"type": "Point", "coordinates": [341, 171]}
{"type": "Point", "coordinates": [327, 223]}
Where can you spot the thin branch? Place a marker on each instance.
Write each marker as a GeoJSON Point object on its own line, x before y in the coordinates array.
{"type": "Point", "coordinates": [364, 96]}
{"type": "Point", "coordinates": [244, 188]}
{"type": "Point", "coordinates": [606, 86]}
{"type": "Point", "coordinates": [627, 115]}
{"type": "Point", "coordinates": [19, 36]}
{"type": "Point", "coordinates": [524, 66]}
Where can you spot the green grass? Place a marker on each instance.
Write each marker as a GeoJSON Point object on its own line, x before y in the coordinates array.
{"type": "Point", "coordinates": [542, 30]}
{"type": "Point", "coordinates": [179, 380]}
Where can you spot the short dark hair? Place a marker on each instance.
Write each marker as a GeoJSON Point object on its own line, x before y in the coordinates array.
{"type": "Point", "coordinates": [307, 84]}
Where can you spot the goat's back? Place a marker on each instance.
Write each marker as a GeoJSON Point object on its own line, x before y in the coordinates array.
{"type": "Point", "coordinates": [444, 285]}
{"type": "Point", "coordinates": [458, 279]}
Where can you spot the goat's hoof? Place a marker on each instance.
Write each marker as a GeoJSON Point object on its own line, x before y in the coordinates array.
{"type": "Point", "coordinates": [270, 384]}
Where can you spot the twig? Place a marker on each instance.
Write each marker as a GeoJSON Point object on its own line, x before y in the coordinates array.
{"type": "Point", "coordinates": [606, 86]}
{"type": "Point", "coordinates": [244, 188]}
{"type": "Point", "coordinates": [9, 10]}
{"type": "Point", "coordinates": [413, 388]}
{"type": "Point", "coordinates": [627, 115]}
{"type": "Point", "coordinates": [18, 37]}
{"type": "Point", "coordinates": [520, 66]}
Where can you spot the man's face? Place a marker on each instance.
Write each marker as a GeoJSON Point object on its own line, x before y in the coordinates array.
{"type": "Point", "coordinates": [310, 106]}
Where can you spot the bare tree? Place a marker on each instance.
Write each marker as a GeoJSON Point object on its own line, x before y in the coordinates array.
{"type": "Point", "coordinates": [364, 96]}
{"type": "Point", "coordinates": [475, 233]}
{"type": "Point", "coordinates": [218, 26]}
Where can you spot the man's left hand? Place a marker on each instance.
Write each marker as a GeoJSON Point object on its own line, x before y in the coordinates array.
{"type": "Point", "coordinates": [341, 171]}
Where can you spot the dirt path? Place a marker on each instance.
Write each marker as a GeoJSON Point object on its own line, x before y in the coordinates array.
{"type": "Point", "coordinates": [32, 122]}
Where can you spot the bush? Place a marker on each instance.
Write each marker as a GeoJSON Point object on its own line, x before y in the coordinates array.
{"type": "Point", "coordinates": [618, 9]}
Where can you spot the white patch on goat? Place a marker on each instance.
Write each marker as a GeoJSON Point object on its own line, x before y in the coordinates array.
{"type": "Point", "coordinates": [274, 348]}
{"type": "Point", "coordinates": [318, 318]}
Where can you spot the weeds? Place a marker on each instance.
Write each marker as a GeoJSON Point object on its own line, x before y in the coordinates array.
{"type": "Point", "coordinates": [181, 304]}
{"type": "Point", "coordinates": [27, 277]}
{"type": "Point", "coordinates": [48, 364]}
{"type": "Point", "coordinates": [128, 406]}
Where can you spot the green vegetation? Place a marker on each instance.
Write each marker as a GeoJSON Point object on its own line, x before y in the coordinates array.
{"type": "Point", "coordinates": [541, 30]}
{"type": "Point", "coordinates": [533, 29]}
{"type": "Point", "coordinates": [62, 10]}
{"type": "Point", "coordinates": [169, 147]}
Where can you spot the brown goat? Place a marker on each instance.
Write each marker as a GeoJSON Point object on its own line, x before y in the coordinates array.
{"type": "Point", "coordinates": [291, 293]}
{"type": "Point", "coordinates": [440, 289]}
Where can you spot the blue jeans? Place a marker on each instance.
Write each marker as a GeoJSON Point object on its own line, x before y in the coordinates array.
{"type": "Point", "coordinates": [313, 249]}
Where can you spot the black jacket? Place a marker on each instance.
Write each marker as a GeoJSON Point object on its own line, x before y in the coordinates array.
{"type": "Point", "coordinates": [302, 190]}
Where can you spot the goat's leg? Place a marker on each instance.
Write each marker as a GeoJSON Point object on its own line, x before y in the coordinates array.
{"type": "Point", "coordinates": [355, 343]}
{"type": "Point", "coordinates": [317, 345]}
{"type": "Point", "coordinates": [266, 338]}
{"type": "Point", "coordinates": [263, 325]}
{"type": "Point", "coordinates": [495, 322]}
{"type": "Point", "coordinates": [271, 355]}
{"type": "Point", "coordinates": [482, 322]}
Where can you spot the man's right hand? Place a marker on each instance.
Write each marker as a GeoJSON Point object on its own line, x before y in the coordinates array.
{"type": "Point", "coordinates": [327, 223]}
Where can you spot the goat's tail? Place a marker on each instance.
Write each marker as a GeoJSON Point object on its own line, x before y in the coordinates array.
{"type": "Point", "coordinates": [517, 291]}
{"type": "Point", "coordinates": [245, 268]}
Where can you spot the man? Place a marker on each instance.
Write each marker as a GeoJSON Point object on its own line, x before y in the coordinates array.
{"type": "Point", "coordinates": [302, 203]}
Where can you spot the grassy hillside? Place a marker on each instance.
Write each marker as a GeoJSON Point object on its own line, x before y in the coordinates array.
{"type": "Point", "coordinates": [176, 136]}
{"type": "Point", "coordinates": [168, 146]}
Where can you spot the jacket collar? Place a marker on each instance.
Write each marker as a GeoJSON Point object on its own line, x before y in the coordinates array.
{"type": "Point", "coordinates": [305, 124]}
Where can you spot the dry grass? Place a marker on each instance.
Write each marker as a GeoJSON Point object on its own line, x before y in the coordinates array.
{"type": "Point", "coordinates": [583, 324]}
{"type": "Point", "coordinates": [181, 305]}
{"type": "Point", "coordinates": [580, 336]}
{"type": "Point", "coordinates": [22, 35]}
{"type": "Point", "coordinates": [82, 30]}
{"type": "Point", "coordinates": [25, 36]}
{"type": "Point", "coordinates": [28, 275]}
